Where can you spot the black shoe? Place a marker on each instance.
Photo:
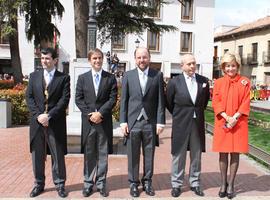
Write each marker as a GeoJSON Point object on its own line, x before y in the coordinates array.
{"type": "Point", "coordinates": [134, 192]}
{"type": "Point", "coordinates": [103, 192]}
{"type": "Point", "coordinates": [37, 190]}
{"type": "Point", "coordinates": [197, 191]}
{"type": "Point", "coordinates": [230, 195]}
{"type": "Point", "coordinates": [87, 192]}
{"type": "Point", "coordinates": [223, 194]}
{"type": "Point", "coordinates": [61, 192]}
{"type": "Point", "coordinates": [149, 190]}
{"type": "Point", "coordinates": [176, 192]}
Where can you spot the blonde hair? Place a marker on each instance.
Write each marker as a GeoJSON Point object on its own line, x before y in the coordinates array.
{"type": "Point", "coordinates": [92, 51]}
{"type": "Point", "coordinates": [230, 57]}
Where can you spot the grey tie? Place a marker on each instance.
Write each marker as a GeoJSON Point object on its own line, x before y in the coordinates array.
{"type": "Point", "coordinates": [143, 82]}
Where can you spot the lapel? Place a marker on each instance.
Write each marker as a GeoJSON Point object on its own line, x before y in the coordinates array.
{"type": "Point", "coordinates": [54, 82]}
{"type": "Point", "coordinates": [150, 77]}
{"type": "Point", "coordinates": [199, 85]}
{"type": "Point", "coordinates": [40, 83]}
{"type": "Point", "coordinates": [89, 80]}
{"type": "Point", "coordinates": [136, 80]}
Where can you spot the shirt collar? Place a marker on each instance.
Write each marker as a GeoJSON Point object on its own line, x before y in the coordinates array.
{"type": "Point", "coordinates": [94, 72]}
{"type": "Point", "coordinates": [143, 72]}
{"type": "Point", "coordinates": [51, 73]}
{"type": "Point", "coordinates": [188, 77]}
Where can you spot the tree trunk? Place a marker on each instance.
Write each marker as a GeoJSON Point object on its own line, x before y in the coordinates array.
{"type": "Point", "coordinates": [81, 10]}
{"type": "Point", "coordinates": [15, 53]}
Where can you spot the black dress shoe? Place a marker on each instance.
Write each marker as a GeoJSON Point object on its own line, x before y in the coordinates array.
{"type": "Point", "coordinates": [176, 192]}
{"type": "Point", "coordinates": [103, 192]}
{"type": "Point", "coordinates": [87, 192]}
{"type": "Point", "coordinates": [134, 192]}
{"type": "Point", "coordinates": [61, 192]}
{"type": "Point", "coordinates": [197, 191]}
{"type": "Point", "coordinates": [37, 190]}
{"type": "Point", "coordinates": [149, 190]}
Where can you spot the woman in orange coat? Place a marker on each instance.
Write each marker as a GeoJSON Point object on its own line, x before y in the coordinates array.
{"type": "Point", "coordinates": [231, 103]}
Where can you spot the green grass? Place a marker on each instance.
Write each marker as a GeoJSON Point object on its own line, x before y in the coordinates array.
{"type": "Point", "coordinates": [258, 137]}
{"type": "Point", "coordinates": [260, 116]}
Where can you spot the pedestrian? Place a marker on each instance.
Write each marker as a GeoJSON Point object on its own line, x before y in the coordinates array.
{"type": "Point", "coordinates": [231, 104]}
{"type": "Point", "coordinates": [47, 97]}
{"type": "Point", "coordinates": [115, 62]}
{"type": "Point", "coordinates": [187, 98]}
{"type": "Point", "coordinates": [142, 118]}
{"type": "Point", "coordinates": [96, 94]}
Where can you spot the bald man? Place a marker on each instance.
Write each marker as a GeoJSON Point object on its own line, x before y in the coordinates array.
{"type": "Point", "coordinates": [187, 98]}
{"type": "Point", "coordinates": [142, 117]}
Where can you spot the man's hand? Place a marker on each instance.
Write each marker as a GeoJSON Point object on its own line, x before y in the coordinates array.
{"type": "Point", "coordinates": [124, 128]}
{"type": "Point", "coordinates": [159, 129]}
{"type": "Point", "coordinates": [43, 119]}
{"type": "Point", "coordinates": [95, 117]}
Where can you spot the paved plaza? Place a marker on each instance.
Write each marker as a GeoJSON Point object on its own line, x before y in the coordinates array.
{"type": "Point", "coordinates": [16, 177]}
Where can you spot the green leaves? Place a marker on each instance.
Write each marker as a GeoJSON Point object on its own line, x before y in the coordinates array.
{"type": "Point", "coordinates": [115, 17]}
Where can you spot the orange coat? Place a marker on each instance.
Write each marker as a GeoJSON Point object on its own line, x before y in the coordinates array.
{"type": "Point", "coordinates": [231, 96]}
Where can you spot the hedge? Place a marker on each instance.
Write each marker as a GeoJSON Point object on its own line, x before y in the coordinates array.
{"type": "Point", "coordinates": [20, 113]}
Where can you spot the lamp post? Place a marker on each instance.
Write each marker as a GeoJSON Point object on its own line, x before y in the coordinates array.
{"type": "Point", "coordinates": [137, 42]}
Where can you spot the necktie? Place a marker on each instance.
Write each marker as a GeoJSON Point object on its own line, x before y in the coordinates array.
{"type": "Point", "coordinates": [48, 78]}
{"type": "Point", "coordinates": [96, 82]}
{"type": "Point", "coordinates": [143, 81]}
{"type": "Point", "coordinates": [192, 89]}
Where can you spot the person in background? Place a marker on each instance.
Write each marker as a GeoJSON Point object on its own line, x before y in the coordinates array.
{"type": "Point", "coordinates": [231, 104]}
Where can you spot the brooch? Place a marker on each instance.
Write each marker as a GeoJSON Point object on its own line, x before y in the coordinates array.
{"type": "Point", "coordinates": [244, 82]}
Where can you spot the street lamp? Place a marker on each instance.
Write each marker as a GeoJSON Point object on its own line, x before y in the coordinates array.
{"type": "Point", "coordinates": [137, 42]}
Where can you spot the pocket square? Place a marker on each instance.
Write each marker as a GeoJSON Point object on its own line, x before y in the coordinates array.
{"type": "Point", "coordinates": [204, 85]}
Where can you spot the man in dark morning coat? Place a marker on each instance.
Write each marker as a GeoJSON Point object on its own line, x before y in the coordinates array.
{"type": "Point", "coordinates": [142, 117]}
{"type": "Point", "coordinates": [187, 98]}
{"type": "Point", "coordinates": [96, 94]}
{"type": "Point", "coordinates": [48, 121]}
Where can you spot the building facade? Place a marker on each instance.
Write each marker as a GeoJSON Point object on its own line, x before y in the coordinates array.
{"type": "Point", "coordinates": [195, 23]}
{"type": "Point", "coordinates": [252, 42]}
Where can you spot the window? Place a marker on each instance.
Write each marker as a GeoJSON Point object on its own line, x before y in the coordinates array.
{"type": "Point", "coordinates": [186, 42]}
{"type": "Point", "coordinates": [153, 39]}
{"type": "Point", "coordinates": [240, 52]}
{"type": "Point", "coordinates": [3, 39]}
{"type": "Point", "coordinates": [118, 42]}
{"type": "Point", "coordinates": [155, 4]}
{"type": "Point", "coordinates": [187, 10]}
{"type": "Point", "coordinates": [254, 52]}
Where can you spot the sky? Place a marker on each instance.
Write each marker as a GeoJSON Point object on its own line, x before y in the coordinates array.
{"type": "Point", "coordinates": [238, 12]}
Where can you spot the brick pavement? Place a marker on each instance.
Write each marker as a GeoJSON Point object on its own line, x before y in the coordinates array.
{"type": "Point", "coordinates": [16, 178]}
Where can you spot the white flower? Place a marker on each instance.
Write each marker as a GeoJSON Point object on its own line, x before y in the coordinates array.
{"type": "Point", "coordinates": [204, 85]}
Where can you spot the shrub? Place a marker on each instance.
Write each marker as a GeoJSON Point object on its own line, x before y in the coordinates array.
{"type": "Point", "coordinates": [6, 84]}
{"type": "Point", "coordinates": [20, 113]}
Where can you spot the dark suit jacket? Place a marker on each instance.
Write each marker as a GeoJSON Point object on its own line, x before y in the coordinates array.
{"type": "Point", "coordinates": [88, 102]}
{"type": "Point", "coordinates": [180, 105]}
{"type": "Point", "coordinates": [59, 95]}
{"type": "Point", "coordinates": [132, 99]}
